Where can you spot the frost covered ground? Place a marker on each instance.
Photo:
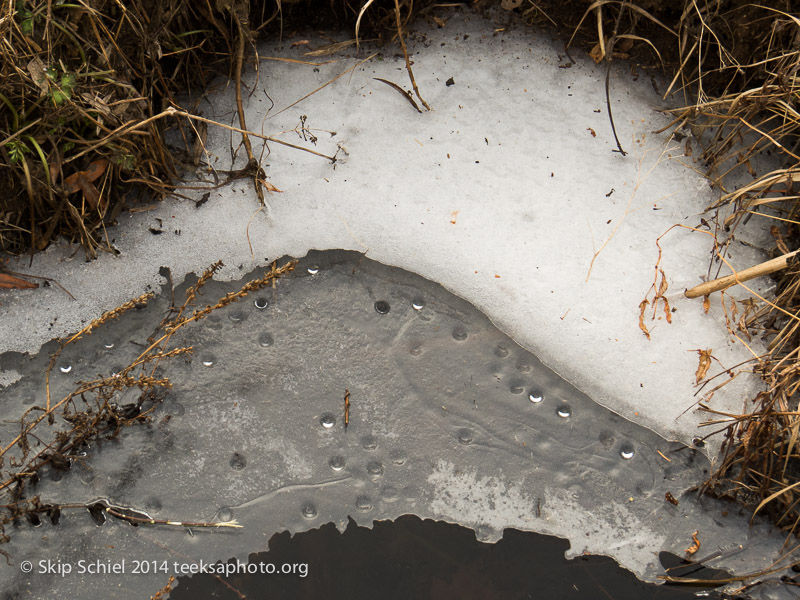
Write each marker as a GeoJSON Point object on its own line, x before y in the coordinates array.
{"type": "Point", "coordinates": [508, 193]}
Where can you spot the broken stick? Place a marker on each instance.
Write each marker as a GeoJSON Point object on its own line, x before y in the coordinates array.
{"type": "Point", "coordinates": [765, 268]}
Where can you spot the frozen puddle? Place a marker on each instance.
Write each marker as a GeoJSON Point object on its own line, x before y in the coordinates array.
{"type": "Point", "coordinates": [449, 419]}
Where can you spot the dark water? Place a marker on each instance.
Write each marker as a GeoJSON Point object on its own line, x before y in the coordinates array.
{"type": "Point", "coordinates": [414, 558]}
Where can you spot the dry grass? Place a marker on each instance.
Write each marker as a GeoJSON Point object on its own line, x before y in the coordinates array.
{"type": "Point", "coordinates": [742, 67]}
{"type": "Point", "coordinates": [52, 433]}
{"type": "Point", "coordinates": [88, 89]}
{"type": "Point", "coordinates": [75, 79]}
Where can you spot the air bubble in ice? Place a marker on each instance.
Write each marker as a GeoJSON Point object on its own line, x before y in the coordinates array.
{"type": "Point", "coordinates": [465, 437]}
{"type": "Point", "coordinates": [238, 461]}
{"type": "Point", "coordinates": [309, 510]}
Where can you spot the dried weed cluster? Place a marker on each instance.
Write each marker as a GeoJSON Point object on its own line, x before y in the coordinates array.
{"type": "Point", "coordinates": [53, 433]}
{"type": "Point", "coordinates": [89, 88]}
{"type": "Point", "coordinates": [741, 64]}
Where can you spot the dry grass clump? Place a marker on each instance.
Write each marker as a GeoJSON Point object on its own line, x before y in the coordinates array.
{"type": "Point", "coordinates": [78, 83]}
{"type": "Point", "coordinates": [745, 98]}
{"type": "Point", "coordinates": [88, 88]}
{"type": "Point", "coordinates": [760, 459]}
{"type": "Point", "coordinates": [740, 63]}
{"type": "Point", "coordinates": [52, 433]}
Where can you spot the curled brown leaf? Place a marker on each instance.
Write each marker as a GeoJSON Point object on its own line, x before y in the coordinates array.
{"type": "Point", "coordinates": [642, 307]}
{"type": "Point", "coordinates": [703, 365]}
{"type": "Point", "coordinates": [95, 169]}
{"type": "Point", "coordinates": [695, 544]}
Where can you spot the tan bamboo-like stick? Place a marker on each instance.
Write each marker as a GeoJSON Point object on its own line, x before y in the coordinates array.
{"type": "Point", "coordinates": [765, 268]}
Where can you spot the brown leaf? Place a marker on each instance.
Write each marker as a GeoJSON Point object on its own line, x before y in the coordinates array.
{"type": "Point", "coordinates": [597, 52]}
{"type": "Point", "coordinates": [269, 186]}
{"type": "Point", "coordinates": [93, 171]}
{"type": "Point", "coordinates": [662, 289]}
{"type": "Point", "coordinates": [90, 192]}
{"type": "Point", "coordinates": [15, 283]}
{"type": "Point", "coordinates": [55, 166]}
{"type": "Point", "coordinates": [734, 314]}
{"type": "Point", "coordinates": [695, 544]}
{"type": "Point", "coordinates": [642, 307]}
{"type": "Point", "coordinates": [779, 241]}
{"type": "Point", "coordinates": [663, 286]}
{"type": "Point", "coordinates": [510, 4]}
{"type": "Point", "coordinates": [703, 365]}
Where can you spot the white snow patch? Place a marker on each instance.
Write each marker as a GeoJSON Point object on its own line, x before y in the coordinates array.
{"type": "Point", "coordinates": [502, 194]}
{"type": "Point", "coordinates": [465, 497]}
